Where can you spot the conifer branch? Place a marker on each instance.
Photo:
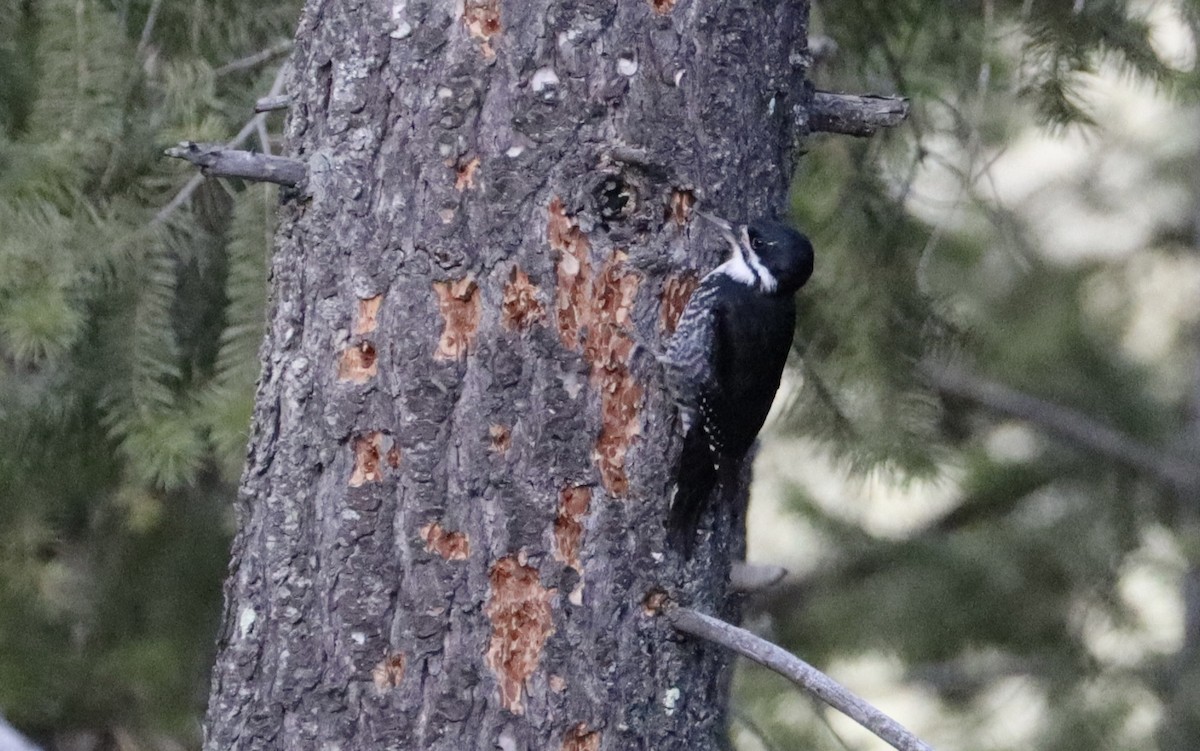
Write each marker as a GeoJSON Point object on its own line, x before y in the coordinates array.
{"type": "Point", "coordinates": [859, 115]}
{"type": "Point", "coordinates": [808, 678]}
{"type": "Point", "coordinates": [1062, 422]}
{"type": "Point", "coordinates": [247, 130]}
{"type": "Point", "coordinates": [217, 161]}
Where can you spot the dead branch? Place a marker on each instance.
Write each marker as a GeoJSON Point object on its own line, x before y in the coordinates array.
{"type": "Point", "coordinates": [250, 127]}
{"type": "Point", "coordinates": [855, 114]}
{"type": "Point", "coordinates": [217, 161]}
{"type": "Point", "coordinates": [808, 678]}
{"type": "Point", "coordinates": [272, 103]}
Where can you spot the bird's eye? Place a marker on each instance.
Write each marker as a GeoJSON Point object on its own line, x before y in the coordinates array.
{"type": "Point", "coordinates": [755, 241]}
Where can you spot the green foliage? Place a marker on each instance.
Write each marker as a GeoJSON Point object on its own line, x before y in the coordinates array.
{"type": "Point", "coordinates": [127, 356]}
{"type": "Point", "coordinates": [228, 400]}
{"type": "Point", "coordinates": [1045, 51]}
{"type": "Point", "coordinates": [17, 29]}
{"type": "Point", "coordinates": [857, 343]}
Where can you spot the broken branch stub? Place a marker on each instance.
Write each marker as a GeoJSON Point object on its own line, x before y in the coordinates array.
{"type": "Point", "coordinates": [859, 115]}
{"type": "Point", "coordinates": [218, 161]}
{"type": "Point", "coordinates": [272, 103]}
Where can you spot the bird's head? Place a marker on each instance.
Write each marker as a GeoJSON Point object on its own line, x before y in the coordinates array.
{"type": "Point", "coordinates": [768, 254]}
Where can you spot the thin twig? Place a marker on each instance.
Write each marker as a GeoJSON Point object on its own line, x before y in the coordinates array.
{"type": "Point", "coordinates": [148, 28]}
{"type": "Point", "coordinates": [130, 87]}
{"type": "Point", "coordinates": [264, 138]}
{"type": "Point", "coordinates": [258, 58]}
{"type": "Point", "coordinates": [190, 187]}
{"type": "Point", "coordinates": [798, 671]}
{"type": "Point", "coordinates": [1062, 422]}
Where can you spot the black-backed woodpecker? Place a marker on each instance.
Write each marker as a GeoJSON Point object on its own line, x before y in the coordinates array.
{"type": "Point", "coordinates": [725, 359]}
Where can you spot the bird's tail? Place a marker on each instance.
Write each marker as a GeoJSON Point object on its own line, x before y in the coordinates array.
{"type": "Point", "coordinates": [701, 473]}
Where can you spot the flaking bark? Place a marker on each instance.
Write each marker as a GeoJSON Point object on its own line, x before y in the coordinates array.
{"type": "Point", "coordinates": [498, 198]}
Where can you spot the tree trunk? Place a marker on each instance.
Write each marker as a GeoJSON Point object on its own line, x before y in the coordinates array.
{"type": "Point", "coordinates": [452, 514]}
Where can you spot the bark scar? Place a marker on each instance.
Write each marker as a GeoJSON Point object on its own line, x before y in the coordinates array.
{"type": "Point", "coordinates": [452, 546]}
{"type": "Point", "coordinates": [465, 177]}
{"type": "Point", "coordinates": [368, 450]}
{"type": "Point", "coordinates": [679, 210]}
{"type": "Point", "coordinates": [482, 18]}
{"type": "Point", "coordinates": [603, 311]}
{"type": "Point", "coordinates": [388, 673]}
{"type": "Point", "coordinates": [609, 349]}
{"type": "Point", "coordinates": [579, 738]}
{"type": "Point", "coordinates": [573, 504]}
{"type": "Point", "coordinates": [458, 302]}
{"type": "Point", "coordinates": [654, 602]}
{"type": "Point", "coordinates": [501, 438]}
{"type": "Point", "coordinates": [358, 363]}
{"type": "Point", "coordinates": [520, 307]}
{"type": "Point", "coordinates": [573, 271]}
{"type": "Point", "coordinates": [367, 319]}
{"type": "Point", "coordinates": [519, 610]}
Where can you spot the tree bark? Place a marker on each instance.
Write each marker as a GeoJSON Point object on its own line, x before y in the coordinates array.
{"type": "Point", "coordinates": [452, 510]}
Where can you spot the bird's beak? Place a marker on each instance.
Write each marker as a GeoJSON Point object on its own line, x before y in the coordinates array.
{"type": "Point", "coordinates": [712, 219]}
{"type": "Point", "coordinates": [727, 230]}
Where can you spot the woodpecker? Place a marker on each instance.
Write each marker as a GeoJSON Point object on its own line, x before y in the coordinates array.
{"type": "Point", "coordinates": [725, 359]}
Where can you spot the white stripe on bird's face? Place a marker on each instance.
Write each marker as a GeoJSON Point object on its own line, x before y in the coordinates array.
{"type": "Point", "coordinates": [738, 270]}
{"type": "Point", "coordinates": [766, 280]}
{"type": "Point", "coordinates": [743, 265]}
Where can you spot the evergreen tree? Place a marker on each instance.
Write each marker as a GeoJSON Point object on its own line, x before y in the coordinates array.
{"type": "Point", "coordinates": [130, 323]}
{"type": "Point", "coordinates": [127, 355]}
{"type": "Point", "coordinates": [959, 333]}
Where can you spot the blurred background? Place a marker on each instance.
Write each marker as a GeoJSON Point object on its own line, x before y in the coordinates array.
{"type": "Point", "coordinates": [983, 473]}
